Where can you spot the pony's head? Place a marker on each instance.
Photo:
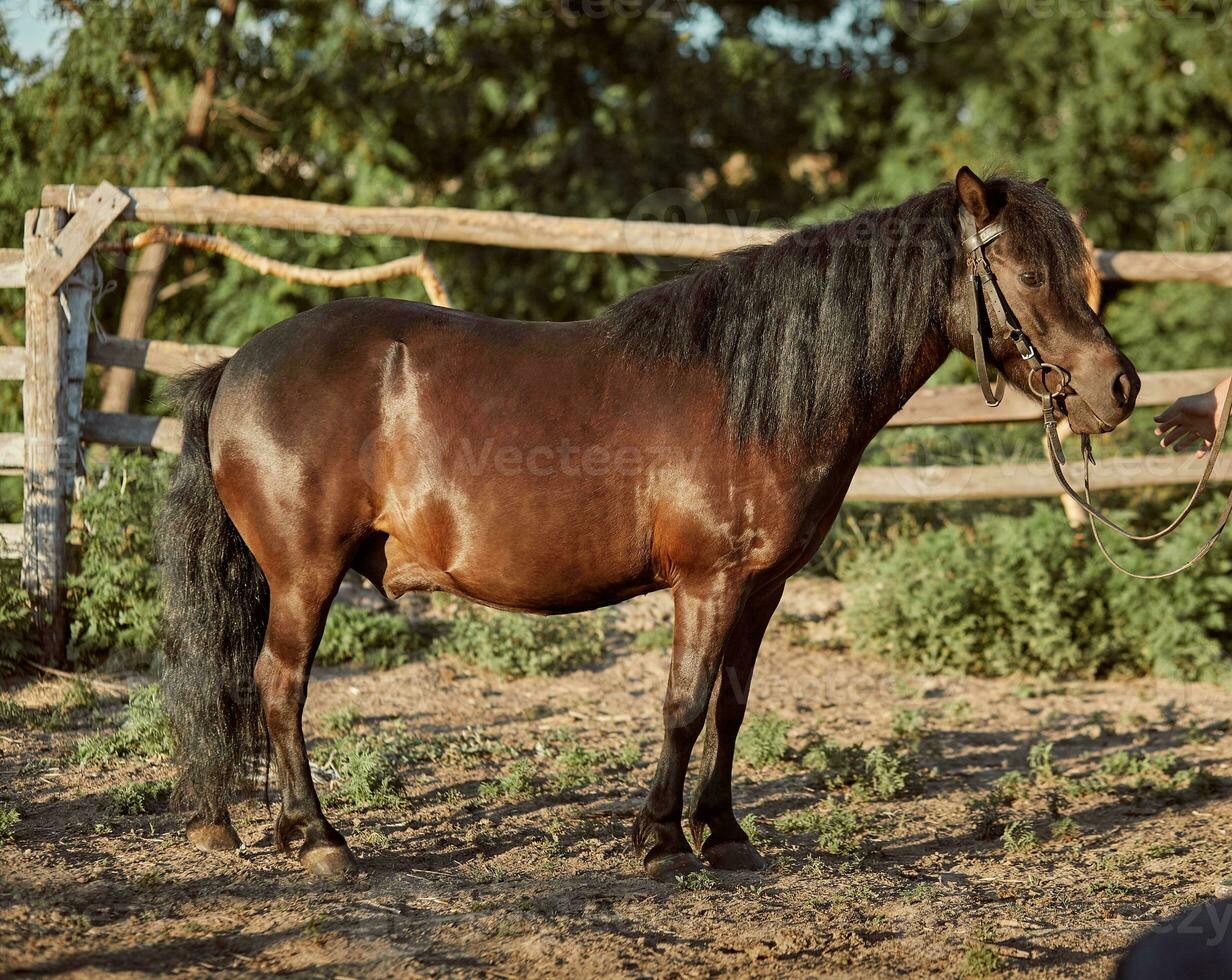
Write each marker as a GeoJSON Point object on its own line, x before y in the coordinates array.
{"type": "Point", "coordinates": [1043, 272]}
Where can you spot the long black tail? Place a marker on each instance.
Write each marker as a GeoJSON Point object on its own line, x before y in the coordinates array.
{"type": "Point", "coordinates": [215, 608]}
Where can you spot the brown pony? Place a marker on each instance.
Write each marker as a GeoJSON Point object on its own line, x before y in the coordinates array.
{"type": "Point", "coordinates": [698, 436]}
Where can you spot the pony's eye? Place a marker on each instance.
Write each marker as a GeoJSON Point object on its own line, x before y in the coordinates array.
{"type": "Point", "coordinates": [1032, 279]}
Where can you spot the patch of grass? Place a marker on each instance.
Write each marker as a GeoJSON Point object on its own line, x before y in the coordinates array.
{"type": "Point", "coordinates": [376, 640]}
{"type": "Point", "coordinates": [696, 881]}
{"type": "Point", "coordinates": [340, 721]}
{"type": "Point", "coordinates": [575, 766]}
{"type": "Point", "coordinates": [987, 813]}
{"type": "Point", "coordinates": [658, 637]}
{"type": "Point", "coordinates": [839, 831]}
{"type": "Point", "coordinates": [79, 695]}
{"type": "Point", "coordinates": [519, 783]}
{"type": "Point", "coordinates": [763, 739]}
{"type": "Point", "coordinates": [1040, 763]}
{"type": "Point", "coordinates": [138, 797]}
{"type": "Point", "coordinates": [1019, 838]}
{"type": "Point", "coordinates": [9, 819]}
{"type": "Point", "coordinates": [367, 774]}
{"type": "Point", "coordinates": [514, 645]}
{"type": "Point", "coordinates": [1064, 828]}
{"type": "Point", "coordinates": [1162, 775]}
{"type": "Point", "coordinates": [908, 727]}
{"type": "Point", "coordinates": [980, 960]}
{"type": "Point", "coordinates": [144, 732]}
{"type": "Point", "coordinates": [13, 714]}
{"type": "Point", "coordinates": [878, 773]}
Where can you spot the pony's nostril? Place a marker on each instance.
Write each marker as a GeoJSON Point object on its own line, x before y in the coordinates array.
{"type": "Point", "coordinates": [1123, 389]}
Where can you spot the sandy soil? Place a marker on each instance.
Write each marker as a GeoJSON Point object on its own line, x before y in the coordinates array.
{"type": "Point", "coordinates": [462, 880]}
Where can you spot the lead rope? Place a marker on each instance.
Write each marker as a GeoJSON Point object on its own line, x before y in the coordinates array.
{"type": "Point", "coordinates": [1096, 517]}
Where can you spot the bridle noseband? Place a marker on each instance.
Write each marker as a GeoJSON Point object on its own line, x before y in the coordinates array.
{"type": "Point", "coordinates": [1001, 317]}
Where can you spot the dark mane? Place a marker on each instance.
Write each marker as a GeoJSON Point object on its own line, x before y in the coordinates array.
{"type": "Point", "coordinates": [807, 329]}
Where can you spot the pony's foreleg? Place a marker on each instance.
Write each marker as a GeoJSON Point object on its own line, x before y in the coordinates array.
{"type": "Point", "coordinates": [727, 845]}
{"type": "Point", "coordinates": [706, 612]}
{"type": "Point", "coordinates": [296, 621]}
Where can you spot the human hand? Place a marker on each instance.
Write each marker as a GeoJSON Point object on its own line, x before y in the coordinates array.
{"type": "Point", "coordinates": [1192, 420]}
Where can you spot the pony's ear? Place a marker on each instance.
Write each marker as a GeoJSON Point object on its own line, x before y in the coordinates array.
{"type": "Point", "coordinates": [1042, 182]}
{"type": "Point", "coordinates": [974, 196]}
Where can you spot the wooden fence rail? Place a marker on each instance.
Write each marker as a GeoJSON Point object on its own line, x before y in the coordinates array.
{"type": "Point", "coordinates": [524, 229]}
{"type": "Point", "coordinates": [56, 268]}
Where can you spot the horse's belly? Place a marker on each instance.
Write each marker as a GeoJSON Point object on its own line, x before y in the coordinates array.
{"type": "Point", "coordinates": [518, 557]}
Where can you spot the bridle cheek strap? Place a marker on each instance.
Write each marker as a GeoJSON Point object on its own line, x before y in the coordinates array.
{"type": "Point", "coordinates": [984, 287]}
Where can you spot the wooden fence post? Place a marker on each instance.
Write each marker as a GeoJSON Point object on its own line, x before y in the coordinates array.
{"type": "Point", "coordinates": [57, 328]}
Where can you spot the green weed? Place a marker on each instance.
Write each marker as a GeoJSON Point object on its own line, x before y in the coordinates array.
{"type": "Point", "coordinates": [519, 783]}
{"type": "Point", "coordinates": [763, 739]}
{"type": "Point", "coordinates": [138, 797]}
{"type": "Point", "coordinates": [9, 819]}
{"type": "Point", "coordinates": [514, 645]}
{"type": "Point", "coordinates": [144, 733]}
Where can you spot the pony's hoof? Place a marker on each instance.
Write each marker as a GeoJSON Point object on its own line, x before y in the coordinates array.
{"type": "Point", "coordinates": [214, 837]}
{"type": "Point", "coordinates": [328, 860]}
{"type": "Point", "coordinates": [669, 867]}
{"type": "Point", "coordinates": [735, 855]}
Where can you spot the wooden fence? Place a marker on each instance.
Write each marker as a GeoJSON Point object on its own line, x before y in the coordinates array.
{"type": "Point", "coordinates": [57, 269]}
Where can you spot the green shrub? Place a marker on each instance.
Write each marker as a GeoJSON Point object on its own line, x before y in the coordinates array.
{"type": "Point", "coordinates": [372, 639]}
{"type": "Point", "coordinates": [9, 819]}
{"type": "Point", "coordinates": [139, 797]}
{"type": "Point", "coordinates": [523, 646]}
{"type": "Point", "coordinates": [144, 732]}
{"type": "Point", "coordinates": [763, 739]}
{"type": "Point", "coordinates": [1015, 594]}
{"type": "Point", "coordinates": [17, 641]}
{"type": "Point", "coordinates": [876, 774]}
{"type": "Point", "coordinates": [367, 772]}
{"type": "Point", "coordinates": [113, 599]}
{"type": "Point", "coordinates": [519, 783]}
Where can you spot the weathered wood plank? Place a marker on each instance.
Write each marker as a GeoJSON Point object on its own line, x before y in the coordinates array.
{"type": "Point", "coordinates": [964, 404]}
{"type": "Point", "coordinates": [12, 268]}
{"type": "Point", "coordinates": [993, 482]}
{"type": "Point", "coordinates": [12, 451]}
{"type": "Point", "coordinates": [157, 356]}
{"type": "Point", "coordinates": [524, 229]}
{"type": "Point", "coordinates": [12, 363]}
{"type": "Point", "coordinates": [48, 451]}
{"type": "Point", "coordinates": [207, 205]}
{"type": "Point", "coordinates": [133, 431]}
{"type": "Point", "coordinates": [10, 540]}
{"type": "Point", "coordinates": [94, 216]}
{"type": "Point", "coordinates": [1115, 264]}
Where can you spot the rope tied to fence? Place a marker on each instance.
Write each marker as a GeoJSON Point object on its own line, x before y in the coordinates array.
{"type": "Point", "coordinates": [411, 265]}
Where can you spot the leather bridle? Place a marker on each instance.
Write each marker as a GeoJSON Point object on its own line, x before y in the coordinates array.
{"type": "Point", "coordinates": [986, 294]}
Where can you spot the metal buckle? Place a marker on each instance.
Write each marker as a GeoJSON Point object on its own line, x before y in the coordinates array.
{"type": "Point", "coordinates": [1030, 354]}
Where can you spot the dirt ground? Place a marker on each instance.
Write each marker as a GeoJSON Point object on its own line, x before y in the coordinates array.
{"type": "Point", "coordinates": [505, 850]}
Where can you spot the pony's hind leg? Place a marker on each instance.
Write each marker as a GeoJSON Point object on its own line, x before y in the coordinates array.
{"type": "Point", "coordinates": [706, 612]}
{"type": "Point", "coordinates": [296, 621]}
{"type": "Point", "coordinates": [727, 845]}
